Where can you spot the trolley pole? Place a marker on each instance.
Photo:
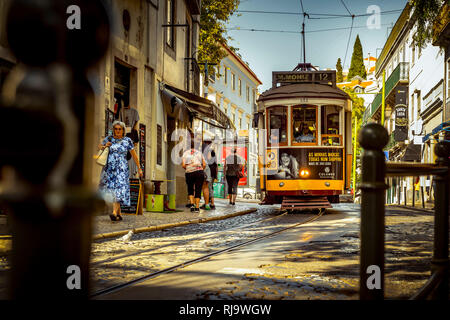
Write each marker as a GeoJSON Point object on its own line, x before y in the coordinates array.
{"type": "Point", "coordinates": [383, 93]}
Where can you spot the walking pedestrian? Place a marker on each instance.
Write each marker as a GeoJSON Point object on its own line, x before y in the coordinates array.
{"type": "Point", "coordinates": [233, 172]}
{"type": "Point", "coordinates": [194, 163]}
{"type": "Point", "coordinates": [115, 176]}
{"type": "Point", "coordinates": [213, 167]}
{"type": "Point", "coordinates": [206, 188]}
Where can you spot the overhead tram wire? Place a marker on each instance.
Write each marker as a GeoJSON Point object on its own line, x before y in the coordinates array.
{"type": "Point", "coordinates": [297, 32]}
{"type": "Point", "coordinates": [320, 15]}
{"type": "Point", "coordinates": [350, 34]}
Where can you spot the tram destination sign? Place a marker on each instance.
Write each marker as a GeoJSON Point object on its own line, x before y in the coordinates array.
{"type": "Point", "coordinates": [290, 77]}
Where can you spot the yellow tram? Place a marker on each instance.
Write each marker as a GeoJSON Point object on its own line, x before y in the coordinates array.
{"type": "Point", "coordinates": [307, 145]}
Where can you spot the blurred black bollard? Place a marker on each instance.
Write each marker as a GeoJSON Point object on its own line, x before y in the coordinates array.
{"type": "Point", "coordinates": [51, 205]}
{"type": "Point", "coordinates": [372, 137]}
{"type": "Point", "coordinates": [440, 261]}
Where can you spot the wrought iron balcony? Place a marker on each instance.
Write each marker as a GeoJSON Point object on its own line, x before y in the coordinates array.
{"type": "Point", "coordinates": [399, 75]}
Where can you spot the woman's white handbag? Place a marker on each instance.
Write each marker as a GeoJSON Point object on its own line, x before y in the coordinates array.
{"type": "Point", "coordinates": [102, 156]}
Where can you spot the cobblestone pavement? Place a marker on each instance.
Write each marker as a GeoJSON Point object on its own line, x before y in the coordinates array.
{"type": "Point", "coordinates": [326, 269]}
{"type": "Point", "coordinates": [330, 269]}
{"type": "Point", "coordinates": [114, 262]}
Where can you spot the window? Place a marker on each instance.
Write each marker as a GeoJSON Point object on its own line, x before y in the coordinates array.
{"type": "Point", "coordinates": [330, 128]}
{"type": "Point", "coordinates": [413, 54]}
{"type": "Point", "coordinates": [170, 19]}
{"type": "Point", "coordinates": [277, 125]}
{"type": "Point", "coordinates": [240, 122]}
{"type": "Point", "coordinates": [240, 87]}
{"type": "Point", "coordinates": [233, 115]}
{"type": "Point", "coordinates": [225, 74]}
{"type": "Point", "coordinates": [247, 93]}
{"type": "Point", "coordinates": [410, 113]}
{"type": "Point", "coordinates": [233, 81]}
{"type": "Point", "coordinates": [304, 124]}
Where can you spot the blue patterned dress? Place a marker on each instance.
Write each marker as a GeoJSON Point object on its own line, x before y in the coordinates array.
{"type": "Point", "coordinates": [115, 176]}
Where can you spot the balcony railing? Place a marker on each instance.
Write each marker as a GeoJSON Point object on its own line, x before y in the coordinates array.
{"type": "Point", "coordinates": [195, 75]}
{"type": "Point", "coordinates": [400, 74]}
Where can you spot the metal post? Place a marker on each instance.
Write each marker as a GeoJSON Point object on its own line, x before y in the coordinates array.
{"type": "Point", "coordinates": [440, 261]}
{"type": "Point", "coordinates": [423, 197]}
{"type": "Point", "coordinates": [404, 195]}
{"type": "Point", "coordinates": [383, 95]}
{"type": "Point", "coordinates": [354, 163]}
{"type": "Point", "coordinates": [414, 194]}
{"type": "Point", "coordinates": [372, 137]}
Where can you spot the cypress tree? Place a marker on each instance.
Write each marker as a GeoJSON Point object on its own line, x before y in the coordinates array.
{"type": "Point", "coordinates": [339, 75]}
{"type": "Point", "coordinates": [357, 65]}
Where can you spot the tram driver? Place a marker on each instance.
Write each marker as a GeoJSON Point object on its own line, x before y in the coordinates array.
{"type": "Point", "coordinates": [305, 134]}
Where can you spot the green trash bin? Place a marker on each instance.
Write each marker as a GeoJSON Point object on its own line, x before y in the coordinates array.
{"type": "Point", "coordinates": [155, 202]}
{"type": "Point", "coordinates": [219, 190]}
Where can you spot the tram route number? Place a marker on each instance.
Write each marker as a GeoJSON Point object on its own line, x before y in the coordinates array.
{"type": "Point", "coordinates": [323, 158]}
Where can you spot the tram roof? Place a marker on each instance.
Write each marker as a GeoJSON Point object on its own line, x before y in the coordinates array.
{"type": "Point", "coordinates": [303, 90]}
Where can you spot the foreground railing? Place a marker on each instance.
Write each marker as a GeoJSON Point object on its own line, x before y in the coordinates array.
{"type": "Point", "coordinates": [373, 137]}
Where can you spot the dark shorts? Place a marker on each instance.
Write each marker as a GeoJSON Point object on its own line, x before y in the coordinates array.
{"type": "Point", "coordinates": [194, 181]}
{"type": "Point", "coordinates": [232, 184]}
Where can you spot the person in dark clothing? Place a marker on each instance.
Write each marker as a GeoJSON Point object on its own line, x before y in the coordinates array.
{"type": "Point", "coordinates": [213, 168]}
{"type": "Point", "coordinates": [232, 169]}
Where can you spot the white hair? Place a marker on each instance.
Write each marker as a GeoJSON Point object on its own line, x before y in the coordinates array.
{"type": "Point", "coordinates": [120, 123]}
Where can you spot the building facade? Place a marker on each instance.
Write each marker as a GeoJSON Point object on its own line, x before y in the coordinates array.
{"type": "Point", "coordinates": [414, 83]}
{"type": "Point", "coordinates": [234, 89]}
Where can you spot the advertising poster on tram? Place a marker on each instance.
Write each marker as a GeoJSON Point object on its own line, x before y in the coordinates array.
{"type": "Point", "coordinates": [320, 162]}
{"type": "Point", "coordinates": [243, 153]}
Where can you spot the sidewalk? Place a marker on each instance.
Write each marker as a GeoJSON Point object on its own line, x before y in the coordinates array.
{"type": "Point", "coordinates": [151, 221]}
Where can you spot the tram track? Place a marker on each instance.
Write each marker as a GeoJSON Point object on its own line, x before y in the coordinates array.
{"type": "Point", "coordinates": [153, 275]}
{"type": "Point", "coordinates": [205, 237]}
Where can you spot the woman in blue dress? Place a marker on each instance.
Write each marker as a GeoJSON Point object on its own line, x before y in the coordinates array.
{"type": "Point", "coordinates": [115, 176]}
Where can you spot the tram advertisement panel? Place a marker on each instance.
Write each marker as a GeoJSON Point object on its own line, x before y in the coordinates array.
{"type": "Point", "coordinates": [322, 163]}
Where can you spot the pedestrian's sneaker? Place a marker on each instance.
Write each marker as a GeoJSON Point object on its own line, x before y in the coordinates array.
{"type": "Point", "coordinates": [197, 209]}
{"type": "Point", "coordinates": [203, 206]}
{"type": "Point", "coordinates": [207, 207]}
{"type": "Point", "coordinates": [192, 208]}
{"type": "Point", "coordinates": [213, 207]}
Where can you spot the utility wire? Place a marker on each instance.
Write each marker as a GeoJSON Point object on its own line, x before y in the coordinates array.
{"type": "Point", "coordinates": [297, 32]}
{"type": "Point", "coordinates": [342, 1]}
{"type": "Point", "coordinates": [348, 42]}
{"type": "Point", "coordinates": [324, 15]}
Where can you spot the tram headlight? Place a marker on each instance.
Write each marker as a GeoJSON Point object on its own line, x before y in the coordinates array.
{"type": "Point", "coordinates": [304, 173]}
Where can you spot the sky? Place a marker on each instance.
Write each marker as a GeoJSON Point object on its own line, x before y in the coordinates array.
{"type": "Point", "coordinates": [282, 51]}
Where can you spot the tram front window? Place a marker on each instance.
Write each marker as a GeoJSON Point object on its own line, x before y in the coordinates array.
{"type": "Point", "coordinates": [330, 126]}
{"type": "Point", "coordinates": [278, 125]}
{"type": "Point", "coordinates": [304, 124]}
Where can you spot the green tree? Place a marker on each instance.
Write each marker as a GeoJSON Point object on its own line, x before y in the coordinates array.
{"type": "Point", "coordinates": [214, 16]}
{"type": "Point", "coordinates": [425, 13]}
{"type": "Point", "coordinates": [339, 75]}
{"type": "Point", "coordinates": [357, 67]}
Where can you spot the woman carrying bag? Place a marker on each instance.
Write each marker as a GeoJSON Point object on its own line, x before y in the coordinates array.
{"type": "Point", "coordinates": [115, 176]}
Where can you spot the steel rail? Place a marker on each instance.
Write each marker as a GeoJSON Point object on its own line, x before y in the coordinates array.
{"type": "Point", "coordinates": [197, 260]}
{"type": "Point", "coordinates": [195, 239]}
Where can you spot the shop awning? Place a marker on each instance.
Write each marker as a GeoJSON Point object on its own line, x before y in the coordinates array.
{"type": "Point", "coordinates": [199, 107]}
{"type": "Point", "coordinates": [412, 153]}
